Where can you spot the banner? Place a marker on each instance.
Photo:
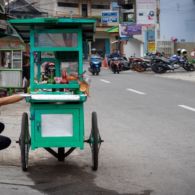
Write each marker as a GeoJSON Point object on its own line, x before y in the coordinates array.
{"type": "Point", "coordinates": [127, 30]}
{"type": "Point", "coordinates": [146, 11]}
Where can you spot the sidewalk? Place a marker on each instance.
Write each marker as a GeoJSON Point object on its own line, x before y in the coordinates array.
{"type": "Point", "coordinates": [181, 75]}
{"type": "Point", "coordinates": [11, 116]}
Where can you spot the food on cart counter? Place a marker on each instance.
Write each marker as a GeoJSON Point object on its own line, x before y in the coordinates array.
{"type": "Point", "coordinates": [64, 79]}
{"type": "Point", "coordinates": [51, 80]}
{"type": "Point", "coordinates": [72, 77]}
{"type": "Point", "coordinates": [48, 73]}
{"type": "Point", "coordinates": [57, 80]}
{"type": "Point", "coordinates": [84, 87]}
{"type": "Point", "coordinates": [49, 68]}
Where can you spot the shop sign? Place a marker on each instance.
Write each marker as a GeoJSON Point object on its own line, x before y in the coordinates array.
{"type": "Point", "coordinates": [127, 30]}
{"type": "Point", "coordinates": [110, 17]}
{"type": "Point", "coordinates": [151, 47]}
{"type": "Point", "coordinates": [151, 35]}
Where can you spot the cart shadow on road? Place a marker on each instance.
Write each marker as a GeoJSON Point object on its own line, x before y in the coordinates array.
{"type": "Point", "coordinates": [66, 178]}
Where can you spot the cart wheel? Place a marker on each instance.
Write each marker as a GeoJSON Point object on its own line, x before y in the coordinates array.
{"type": "Point", "coordinates": [94, 141]}
{"type": "Point", "coordinates": [24, 141]}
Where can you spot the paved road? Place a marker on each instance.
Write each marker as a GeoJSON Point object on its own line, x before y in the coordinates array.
{"type": "Point", "coordinates": [152, 136]}
{"type": "Point", "coordinates": [147, 123]}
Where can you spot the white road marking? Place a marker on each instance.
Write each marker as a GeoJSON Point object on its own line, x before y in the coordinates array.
{"type": "Point", "coordinates": [187, 107]}
{"type": "Point", "coordinates": [135, 91]}
{"type": "Point", "coordinates": [105, 81]}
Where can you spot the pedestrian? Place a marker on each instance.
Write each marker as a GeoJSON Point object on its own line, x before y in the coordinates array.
{"type": "Point", "coordinates": [6, 141]}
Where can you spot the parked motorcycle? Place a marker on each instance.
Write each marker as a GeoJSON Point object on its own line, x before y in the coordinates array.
{"type": "Point", "coordinates": [95, 64]}
{"type": "Point", "coordinates": [125, 64]}
{"type": "Point", "coordinates": [116, 65]}
{"type": "Point", "coordinates": [139, 64]}
{"type": "Point", "coordinates": [162, 64]}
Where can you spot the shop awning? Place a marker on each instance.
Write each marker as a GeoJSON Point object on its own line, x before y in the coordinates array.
{"type": "Point", "coordinates": [114, 29]}
{"type": "Point", "coordinates": [11, 43]}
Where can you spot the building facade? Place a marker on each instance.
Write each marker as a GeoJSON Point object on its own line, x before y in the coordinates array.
{"type": "Point", "coordinates": [132, 45]}
{"type": "Point", "coordinates": [81, 8]}
{"type": "Point", "coordinates": [177, 20]}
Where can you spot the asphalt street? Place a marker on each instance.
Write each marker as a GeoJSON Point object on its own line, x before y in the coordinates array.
{"type": "Point", "coordinates": [147, 123]}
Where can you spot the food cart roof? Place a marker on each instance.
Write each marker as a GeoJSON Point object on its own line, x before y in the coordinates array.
{"type": "Point", "coordinates": [23, 26]}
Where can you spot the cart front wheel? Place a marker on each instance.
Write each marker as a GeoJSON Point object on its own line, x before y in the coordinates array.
{"type": "Point", "coordinates": [94, 141]}
{"type": "Point", "coordinates": [24, 141]}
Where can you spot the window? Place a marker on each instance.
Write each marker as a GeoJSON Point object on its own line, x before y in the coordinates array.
{"type": "Point", "coordinates": [95, 6]}
{"type": "Point", "coordinates": [11, 59]}
{"type": "Point", "coordinates": [84, 10]}
{"type": "Point", "coordinates": [56, 40]}
{"type": "Point", "coordinates": [62, 4]}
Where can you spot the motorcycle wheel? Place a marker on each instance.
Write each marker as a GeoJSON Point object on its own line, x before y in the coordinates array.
{"type": "Point", "coordinates": [139, 68]}
{"type": "Point", "coordinates": [189, 67]}
{"type": "Point", "coordinates": [113, 68]}
{"type": "Point", "coordinates": [158, 69]}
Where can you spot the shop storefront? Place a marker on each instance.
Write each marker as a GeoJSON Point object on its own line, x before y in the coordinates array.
{"type": "Point", "coordinates": [11, 61]}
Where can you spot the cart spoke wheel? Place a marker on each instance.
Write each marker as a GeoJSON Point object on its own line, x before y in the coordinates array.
{"type": "Point", "coordinates": [95, 141]}
{"type": "Point", "coordinates": [24, 141]}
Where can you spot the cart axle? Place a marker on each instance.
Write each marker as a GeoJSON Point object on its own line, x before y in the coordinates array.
{"type": "Point", "coordinates": [61, 154]}
{"type": "Point", "coordinates": [89, 141]}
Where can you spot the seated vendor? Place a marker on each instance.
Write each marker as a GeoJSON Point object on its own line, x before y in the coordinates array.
{"type": "Point", "coordinates": [6, 141]}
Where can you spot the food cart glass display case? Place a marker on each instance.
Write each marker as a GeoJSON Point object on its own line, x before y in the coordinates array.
{"type": "Point", "coordinates": [58, 89]}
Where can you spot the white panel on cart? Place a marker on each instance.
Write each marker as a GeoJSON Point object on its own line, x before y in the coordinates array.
{"type": "Point", "coordinates": [57, 125]}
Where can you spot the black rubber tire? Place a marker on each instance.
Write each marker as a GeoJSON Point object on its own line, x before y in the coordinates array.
{"type": "Point", "coordinates": [24, 141]}
{"type": "Point", "coordinates": [158, 69]}
{"type": "Point", "coordinates": [189, 67]}
{"type": "Point", "coordinates": [95, 141]}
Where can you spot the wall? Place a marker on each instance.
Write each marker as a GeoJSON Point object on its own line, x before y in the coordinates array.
{"type": "Point", "coordinates": [45, 6]}
{"type": "Point", "coordinates": [133, 48]}
{"type": "Point", "coordinates": [177, 19]}
{"type": "Point", "coordinates": [52, 8]}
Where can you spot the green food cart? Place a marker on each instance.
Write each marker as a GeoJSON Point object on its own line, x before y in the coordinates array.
{"type": "Point", "coordinates": [58, 89]}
